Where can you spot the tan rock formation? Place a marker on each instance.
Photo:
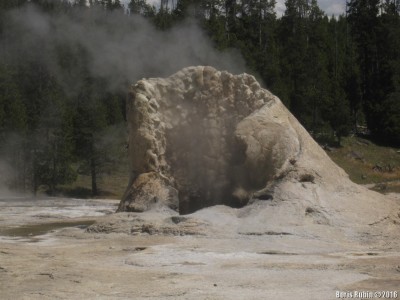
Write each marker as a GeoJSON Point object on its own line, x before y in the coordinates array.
{"type": "Point", "coordinates": [204, 137]}
{"type": "Point", "coordinates": [192, 144]}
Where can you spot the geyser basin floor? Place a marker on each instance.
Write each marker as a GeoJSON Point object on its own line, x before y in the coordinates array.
{"type": "Point", "coordinates": [29, 219]}
{"type": "Point", "coordinates": [16, 211]}
{"type": "Point", "coordinates": [82, 265]}
{"type": "Point", "coordinates": [41, 229]}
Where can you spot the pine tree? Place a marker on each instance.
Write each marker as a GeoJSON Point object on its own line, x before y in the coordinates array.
{"type": "Point", "coordinates": [13, 126]}
{"type": "Point", "coordinates": [54, 154]}
{"type": "Point", "coordinates": [304, 71]}
{"type": "Point", "coordinates": [389, 69]}
{"type": "Point", "coordinates": [141, 7]}
{"type": "Point", "coordinates": [375, 30]}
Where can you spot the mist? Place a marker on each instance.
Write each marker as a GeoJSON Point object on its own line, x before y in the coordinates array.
{"type": "Point", "coordinates": [4, 169]}
{"type": "Point", "coordinates": [119, 48]}
{"type": "Point", "coordinates": [68, 49]}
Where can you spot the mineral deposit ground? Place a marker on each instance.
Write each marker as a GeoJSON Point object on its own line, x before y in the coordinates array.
{"type": "Point", "coordinates": [229, 198]}
{"type": "Point", "coordinates": [115, 260]}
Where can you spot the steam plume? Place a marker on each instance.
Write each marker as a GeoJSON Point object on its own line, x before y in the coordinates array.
{"type": "Point", "coordinates": [119, 49]}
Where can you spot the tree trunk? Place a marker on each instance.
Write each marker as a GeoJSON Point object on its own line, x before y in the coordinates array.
{"type": "Point", "coordinates": [93, 174]}
{"type": "Point", "coordinates": [34, 174]}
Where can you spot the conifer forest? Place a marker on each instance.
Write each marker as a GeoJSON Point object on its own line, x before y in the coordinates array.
{"type": "Point", "coordinates": [66, 66]}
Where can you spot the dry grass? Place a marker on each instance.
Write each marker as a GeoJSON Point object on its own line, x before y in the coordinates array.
{"type": "Point", "coordinates": [368, 163]}
{"type": "Point", "coordinates": [111, 185]}
{"type": "Point", "coordinates": [364, 161]}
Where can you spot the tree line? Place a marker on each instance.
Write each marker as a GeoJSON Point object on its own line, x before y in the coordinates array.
{"type": "Point", "coordinates": [336, 74]}
{"type": "Point", "coordinates": [50, 133]}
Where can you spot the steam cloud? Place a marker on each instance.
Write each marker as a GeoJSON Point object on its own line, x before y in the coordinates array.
{"type": "Point", "coordinates": [121, 50]}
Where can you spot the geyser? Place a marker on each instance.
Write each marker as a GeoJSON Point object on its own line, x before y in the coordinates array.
{"type": "Point", "coordinates": [203, 137]}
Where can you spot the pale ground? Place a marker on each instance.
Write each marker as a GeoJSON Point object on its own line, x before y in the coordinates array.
{"type": "Point", "coordinates": [210, 263]}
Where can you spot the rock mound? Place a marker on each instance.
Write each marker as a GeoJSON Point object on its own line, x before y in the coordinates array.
{"type": "Point", "coordinates": [203, 137]}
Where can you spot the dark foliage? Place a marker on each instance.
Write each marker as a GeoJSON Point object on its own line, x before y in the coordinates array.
{"type": "Point", "coordinates": [334, 73]}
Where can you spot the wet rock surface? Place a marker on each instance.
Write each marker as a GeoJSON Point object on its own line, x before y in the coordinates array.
{"type": "Point", "coordinates": [217, 253]}
{"type": "Point", "coordinates": [28, 218]}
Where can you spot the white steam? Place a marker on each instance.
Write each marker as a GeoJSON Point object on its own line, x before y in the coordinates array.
{"type": "Point", "coordinates": [119, 48]}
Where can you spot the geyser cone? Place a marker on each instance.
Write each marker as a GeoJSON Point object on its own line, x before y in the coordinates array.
{"type": "Point", "coordinates": [192, 142]}
{"type": "Point", "coordinates": [204, 137]}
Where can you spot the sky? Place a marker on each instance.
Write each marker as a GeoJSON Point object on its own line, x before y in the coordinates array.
{"type": "Point", "coordinates": [330, 7]}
